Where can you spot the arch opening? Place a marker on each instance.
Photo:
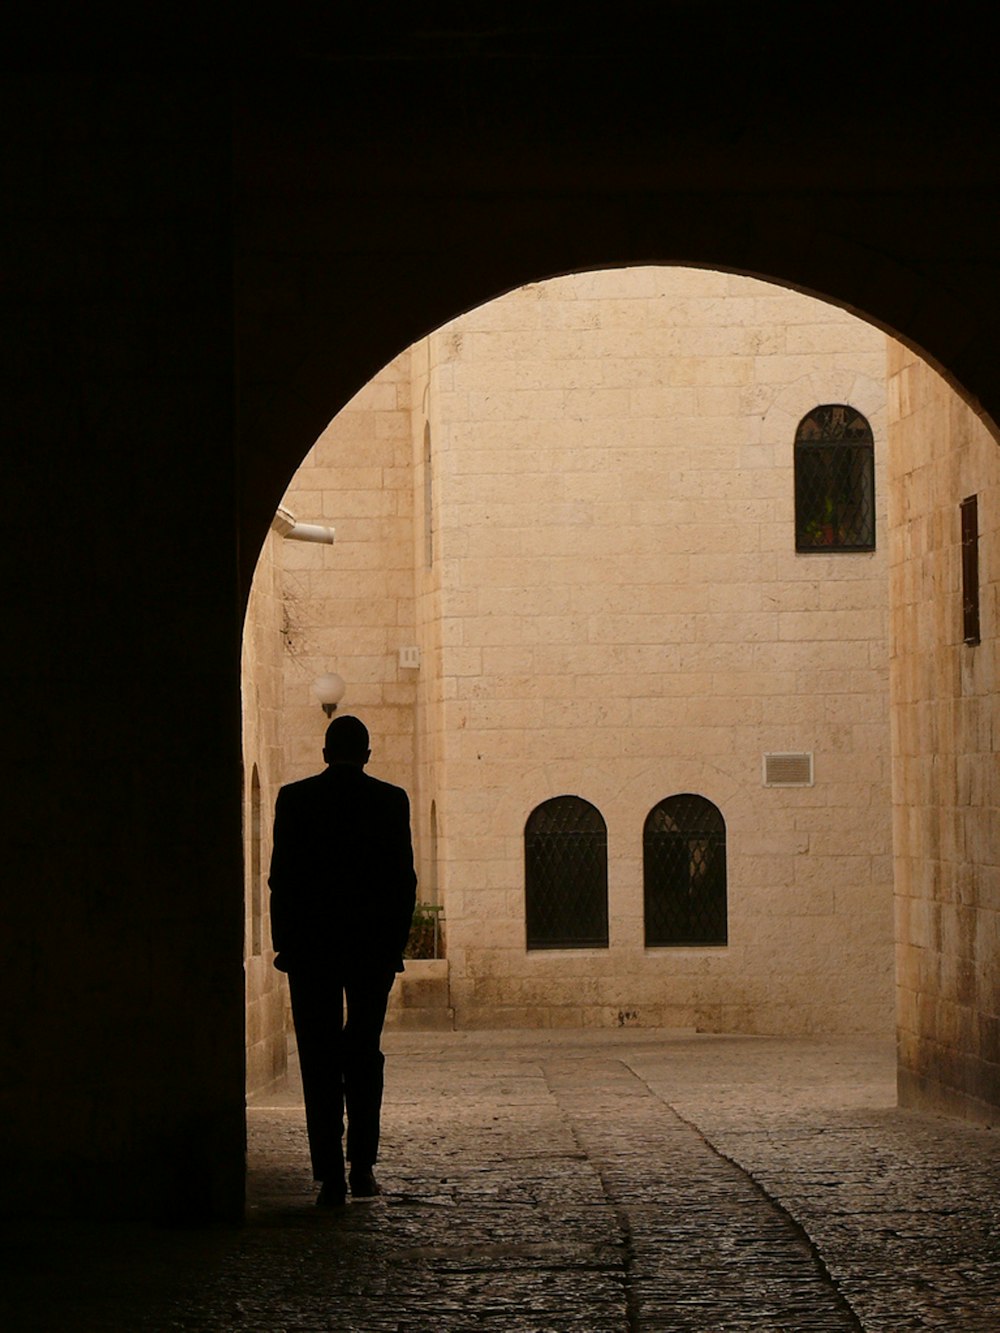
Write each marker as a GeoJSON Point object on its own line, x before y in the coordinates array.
{"type": "Point", "coordinates": [592, 556]}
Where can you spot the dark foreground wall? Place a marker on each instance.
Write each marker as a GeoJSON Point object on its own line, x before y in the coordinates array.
{"type": "Point", "coordinates": [363, 181]}
{"type": "Point", "coordinates": [122, 1027]}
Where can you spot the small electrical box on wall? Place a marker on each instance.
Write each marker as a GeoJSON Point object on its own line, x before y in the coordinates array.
{"type": "Point", "coordinates": [410, 658]}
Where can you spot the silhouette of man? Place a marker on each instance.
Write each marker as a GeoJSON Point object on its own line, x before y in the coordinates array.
{"type": "Point", "coordinates": [342, 896]}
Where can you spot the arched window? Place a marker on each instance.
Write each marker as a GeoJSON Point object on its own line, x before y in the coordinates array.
{"type": "Point", "coordinates": [834, 481]}
{"type": "Point", "coordinates": [431, 892]}
{"type": "Point", "coordinates": [428, 498]}
{"type": "Point", "coordinates": [684, 872]}
{"type": "Point", "coordinates": [566, 875]}
{"type": "Point", "coordinates": [256, 876]}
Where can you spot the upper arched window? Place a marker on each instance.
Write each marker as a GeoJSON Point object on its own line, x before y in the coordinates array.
{"type": "Point", "coordinates": [834, 481]}
{"type": "Point", "coordinates": [566, 875]}
{"type": "Point", "coordinates": [684, 872]}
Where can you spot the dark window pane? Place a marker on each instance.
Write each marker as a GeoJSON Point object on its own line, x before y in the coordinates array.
{"type": "Point", "coordinates": [684, 873]}
{"type": "Point", "coordinates": [566, 875]}
{"type": "Point", "coordinates": [969, 510]}
{"type": "Point", "coordinates": [834, 481]}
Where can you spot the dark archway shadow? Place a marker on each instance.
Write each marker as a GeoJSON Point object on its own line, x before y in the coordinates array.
{"type": "Point", "coordinates": [384, 187]}
{"type": "Point", "coordinates": [374, 179]}
{"type": "Point", "coordinates": [468, 176]}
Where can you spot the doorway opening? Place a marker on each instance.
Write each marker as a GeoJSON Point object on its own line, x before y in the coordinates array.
{"type": "Point", "coordinates": [603, 539]}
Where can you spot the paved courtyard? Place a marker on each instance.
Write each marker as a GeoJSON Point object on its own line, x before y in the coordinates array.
{"type": "Point", "coordinates": [625, 1180]}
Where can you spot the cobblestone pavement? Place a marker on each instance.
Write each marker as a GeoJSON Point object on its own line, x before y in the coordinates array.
{"type": "Point", "coordinates": [628, 1180]}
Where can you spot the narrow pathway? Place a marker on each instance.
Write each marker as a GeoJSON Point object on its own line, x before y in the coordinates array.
{"type": "Point", "coordinates": [707, 1247]}
{"type": "Point", "coordinates": [632, 1182]}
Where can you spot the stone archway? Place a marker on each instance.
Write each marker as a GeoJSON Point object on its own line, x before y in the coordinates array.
{"type": "Point", "coordinates": [817, 202]}
{"type": "Point", "coordinates": [379, 182]}
{"type": "Point", "coordinates": [802, 392]}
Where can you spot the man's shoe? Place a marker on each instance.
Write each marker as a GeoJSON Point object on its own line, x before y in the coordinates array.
{"type": "Point", "coordinates": [363, 1183]}
{"type": "Point", "coordinates": [332, 1194]}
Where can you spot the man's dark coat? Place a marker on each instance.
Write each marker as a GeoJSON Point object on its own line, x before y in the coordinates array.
{"type": "Point", "coordinates": [342, 881]}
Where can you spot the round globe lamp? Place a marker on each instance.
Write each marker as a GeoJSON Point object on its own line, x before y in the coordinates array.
{"type": "Point", "coordinates": [329, 690]}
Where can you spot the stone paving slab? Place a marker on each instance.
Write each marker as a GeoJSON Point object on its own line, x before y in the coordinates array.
{"type": "Point", "coordinates": [621, 1181]}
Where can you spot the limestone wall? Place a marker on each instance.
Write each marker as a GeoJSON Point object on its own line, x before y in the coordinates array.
{"type": "Point", "coordinates": [316, 608]}
{"type": "Point", "coordinates": [609, 604]}
{"type": "Point", "coordinates": [349, 607]}
{"type": "Point", "coordinates": [946, 781]}
{"type": "Point", "coordinates": [623, 617]}
{"type": "Point", "coordinates": [427, 427]}
{"type": "Point", "coordinates": [263, 770]}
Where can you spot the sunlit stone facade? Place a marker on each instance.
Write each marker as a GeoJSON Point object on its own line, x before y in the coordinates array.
{"type": "Point", "coordinates": [946, 781]}
{"type": "Point", "coordinates": [578, 504]}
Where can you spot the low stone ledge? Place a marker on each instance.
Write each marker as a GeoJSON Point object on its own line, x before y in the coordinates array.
{"type": "Point", "coordinates": [420, 997]}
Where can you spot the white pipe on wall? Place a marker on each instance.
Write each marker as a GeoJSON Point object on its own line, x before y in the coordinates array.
{"type": "Point", "coordinates": [310, 532]}
{"type": "Point", "coordinates": [286, 525]}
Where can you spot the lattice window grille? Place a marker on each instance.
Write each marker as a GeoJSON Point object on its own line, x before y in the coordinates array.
{"type": "Point", "coordinates": [834, 481]}
{"type": "Point", "coordinates": [684, 873]}
{"type": "Point", "coordinates": [566, 875]}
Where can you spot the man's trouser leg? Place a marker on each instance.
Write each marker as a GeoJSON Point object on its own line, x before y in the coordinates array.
{"type": "Point", "coordinates": [367, 998]}
{"type": "Point", "coordinates": [318, 1011]}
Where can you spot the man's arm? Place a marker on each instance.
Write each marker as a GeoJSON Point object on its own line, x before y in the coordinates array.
{"type": "Point", "coordinates": [282, 874]}
{"type": "Point", "coordinates": [404, 875]}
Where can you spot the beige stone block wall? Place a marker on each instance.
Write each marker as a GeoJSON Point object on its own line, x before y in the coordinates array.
{"type": "Point", "coordinates": [315, 608]}
{"type": "Point", "coordinates": [622, 616]}
{"type": "Point", "coordinates": [349, 607]}
{"type": "Point", "coordinates": [946, 781]}
{"type": "Point", "coordinates": [430, 680]}
{"type": "Point", "coordinates": [263, 768]}
{"type": "Point", "coordinates": [577, 503]}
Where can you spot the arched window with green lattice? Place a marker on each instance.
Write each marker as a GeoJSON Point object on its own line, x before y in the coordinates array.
{"type": "Point", "coordinates": [834, 481]}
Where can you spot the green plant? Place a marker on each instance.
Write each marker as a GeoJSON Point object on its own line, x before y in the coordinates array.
{"type": "Point", "coordinates": [426, 940]}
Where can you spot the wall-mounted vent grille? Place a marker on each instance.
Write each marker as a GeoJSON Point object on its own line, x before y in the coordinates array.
{"type": "Point", "coordinates": [788, 770]}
